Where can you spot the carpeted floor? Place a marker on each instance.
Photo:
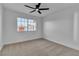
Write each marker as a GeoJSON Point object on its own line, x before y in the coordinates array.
{"type": "Point", "coordinates": [37, 47]}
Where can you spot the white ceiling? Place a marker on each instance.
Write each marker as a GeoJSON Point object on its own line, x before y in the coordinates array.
{"type": "Point", "coordinates": [52, 7]}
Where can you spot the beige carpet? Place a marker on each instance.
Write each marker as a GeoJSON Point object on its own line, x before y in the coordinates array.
{"type": "Point", "coordinates": [39, 47]}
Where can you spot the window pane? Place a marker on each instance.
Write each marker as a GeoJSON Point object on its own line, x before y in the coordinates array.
{"type": "Point", "coordinates": [20, 24]}
{"type": "Point", "coordinates": [31, 25]}
{"type": "Point", "coordinates": [22, 19]}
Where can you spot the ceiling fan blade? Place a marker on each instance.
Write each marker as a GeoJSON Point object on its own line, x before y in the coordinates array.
{"type": "Point", "coordinates": [29, 6]}
{"type": "Point", "coordinates": [39, 12]}
{"type": "Point", "coordinates": [32, 11]}
{"type": "Point", "coordinates": [44, 9]}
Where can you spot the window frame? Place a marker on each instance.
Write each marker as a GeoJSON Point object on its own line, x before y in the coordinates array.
{"type": "Point", "coordinates": [28, 22]}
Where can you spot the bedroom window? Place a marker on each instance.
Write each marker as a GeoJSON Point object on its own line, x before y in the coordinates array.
{"type": "Point", "coordinates": [24, 24]}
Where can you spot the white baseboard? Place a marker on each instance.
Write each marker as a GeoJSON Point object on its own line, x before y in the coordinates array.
{"type": "Point", "coordinates": [62, 43]}
{"type": "Point", "coordinates": [20, 40]}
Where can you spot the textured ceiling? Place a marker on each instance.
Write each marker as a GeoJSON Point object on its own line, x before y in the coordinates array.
{"type": "Point", "coordinates": [53, 7]}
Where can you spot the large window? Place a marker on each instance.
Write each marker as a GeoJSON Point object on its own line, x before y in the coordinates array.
{"type": "Point", "coordinates": [24, 24]}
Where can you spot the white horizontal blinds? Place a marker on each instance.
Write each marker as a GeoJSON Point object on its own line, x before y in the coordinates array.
{"type": "Point", "coordinates": [25, 24]}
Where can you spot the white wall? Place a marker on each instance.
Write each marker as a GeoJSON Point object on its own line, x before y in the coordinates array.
{"type": "Point", "coordinates": [59, 27]}
{"type": "Point", "coordinates": [10, 34]}
{"type": "Point", "coordinates": [1, 17]}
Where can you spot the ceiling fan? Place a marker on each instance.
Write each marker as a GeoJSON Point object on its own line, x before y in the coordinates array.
{"type": "Point", "coordinates": [37, 8]}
